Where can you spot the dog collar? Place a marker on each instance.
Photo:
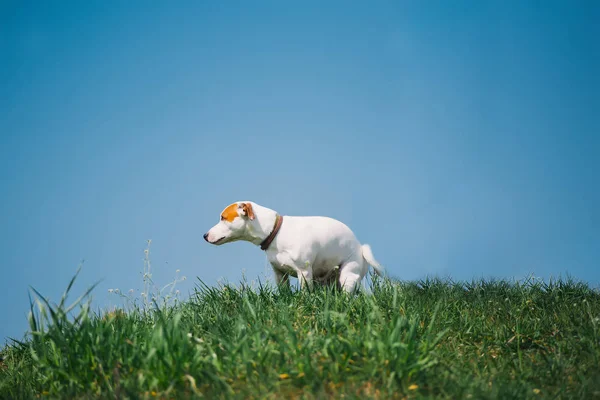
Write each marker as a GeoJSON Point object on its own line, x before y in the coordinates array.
{"type": "Point", "coordinates": [267, 242]}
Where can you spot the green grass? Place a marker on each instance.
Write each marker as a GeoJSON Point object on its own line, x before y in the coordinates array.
{"type": "Point", "coordinates": [427, 339]}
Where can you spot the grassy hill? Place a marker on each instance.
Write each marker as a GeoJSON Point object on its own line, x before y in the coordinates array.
{"type": "Point", "coordinates": [427, 339]}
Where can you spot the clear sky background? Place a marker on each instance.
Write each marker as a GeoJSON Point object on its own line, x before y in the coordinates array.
{"type": "Point", "coordinates": [457, 138]}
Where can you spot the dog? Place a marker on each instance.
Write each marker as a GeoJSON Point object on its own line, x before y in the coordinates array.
{"type": "Point", "coordinates": [312, 249]}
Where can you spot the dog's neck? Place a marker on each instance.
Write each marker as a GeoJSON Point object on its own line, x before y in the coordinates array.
{"type": "Point", "coordinates": [263, 224]}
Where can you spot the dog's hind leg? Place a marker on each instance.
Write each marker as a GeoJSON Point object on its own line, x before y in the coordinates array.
{"type": "Point", "coordinates": [352, 272]}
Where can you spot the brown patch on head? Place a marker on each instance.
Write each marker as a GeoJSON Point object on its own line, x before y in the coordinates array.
{"type": "Point", "coordinates": [230, 213]}
{"type": "Point", "coordinates": [247, 208]}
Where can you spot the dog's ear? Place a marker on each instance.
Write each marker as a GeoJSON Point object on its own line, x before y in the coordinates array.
{"type": "Point", "coordinates": [247, 210]}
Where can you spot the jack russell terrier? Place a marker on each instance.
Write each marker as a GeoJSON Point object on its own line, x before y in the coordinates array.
{"type": "Point", "coordinates": [319, 249]}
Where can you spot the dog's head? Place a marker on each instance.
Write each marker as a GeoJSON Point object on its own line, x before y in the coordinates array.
{"type": "Point", "coordinates": [234, 224]}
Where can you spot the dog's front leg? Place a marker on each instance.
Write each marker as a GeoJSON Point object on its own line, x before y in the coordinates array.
{"type": "Point", "coordinates": [305, 276]}
{"type": "Point", "coordinates": [281, 278]}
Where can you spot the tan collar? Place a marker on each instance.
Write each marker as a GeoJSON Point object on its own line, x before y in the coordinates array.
{"type": "Point", "coordinates": [267, 242]}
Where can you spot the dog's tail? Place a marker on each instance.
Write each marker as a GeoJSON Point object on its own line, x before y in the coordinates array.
{"type": "Point", "coordinates": [368, 256]}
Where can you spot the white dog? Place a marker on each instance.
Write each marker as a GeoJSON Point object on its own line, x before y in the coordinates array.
{"type": "Point", "coordinates": [319, 249]}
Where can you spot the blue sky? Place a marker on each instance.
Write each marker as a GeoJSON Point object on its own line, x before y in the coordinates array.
{"type": "Point", "coordinates": [457, 138]}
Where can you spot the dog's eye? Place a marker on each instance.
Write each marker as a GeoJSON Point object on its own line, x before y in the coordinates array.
{"type": "Point", "coordinates": [222, 218]}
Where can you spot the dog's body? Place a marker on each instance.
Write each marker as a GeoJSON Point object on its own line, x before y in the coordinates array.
{"type": "Point", "coordinates": [319, 249]}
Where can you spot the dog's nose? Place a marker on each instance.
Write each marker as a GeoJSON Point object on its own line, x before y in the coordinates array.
{"type": "Point", "coordinates": [206, 237]}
